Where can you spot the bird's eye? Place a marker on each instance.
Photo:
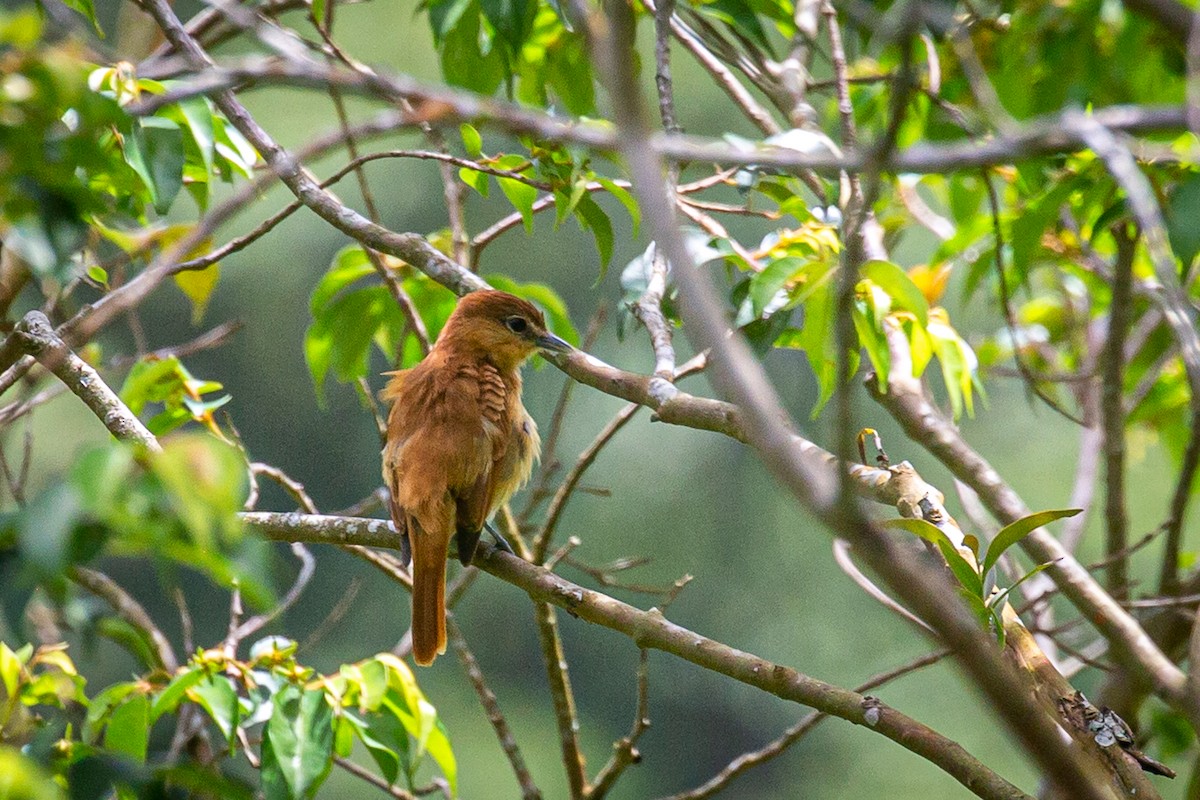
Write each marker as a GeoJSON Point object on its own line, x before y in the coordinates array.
{"type": "Point", "coordinates": [516, 324]}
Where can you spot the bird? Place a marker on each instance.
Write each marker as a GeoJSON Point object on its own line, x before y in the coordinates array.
{"type": "Point", "coordinates": [459, 443]}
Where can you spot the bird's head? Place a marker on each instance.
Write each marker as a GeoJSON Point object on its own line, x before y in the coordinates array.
{"type": "Point", "coordinates": [506, 328]}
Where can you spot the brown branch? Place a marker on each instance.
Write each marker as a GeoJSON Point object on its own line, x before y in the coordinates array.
{"type": "Point", "coordinates": [625, 752]}
{"type": "Point", "coordinates": [487, 698]}
{"type": "Point", "coordinates": [1168, 581]}
{"type": "Point", "coordinates": [563, 698]}
{"type": "Point", "coordinates": [747, 761]}
{"type": "Point", "coordinates": [129, 610]}
{"type": "Point", "coordinates": [649, 629]}
{"type": "Point", "coordinates": [740, 376]}
{"type": "Point", "coordinates": [1112, 415]}
{"type": "Point", "coordinates": [1055, 133]}
{"type": "Point", "coordinates": [373, 779]}
{"type": "Point", "coordinates": [923, 423]}
{"type": "Point", "coordinates": [39, 339]}
{"type": "Point", "coordinates": [741, 97]}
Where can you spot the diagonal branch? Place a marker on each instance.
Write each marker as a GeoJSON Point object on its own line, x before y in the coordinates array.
{"type": "Point", "coordinates": [651, 630]}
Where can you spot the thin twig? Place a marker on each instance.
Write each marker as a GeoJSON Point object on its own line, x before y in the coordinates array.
{"type": "Point", "coordinates": [841, 555]}
{"type": "Point", "coordinates": [651, 630]}
{"type": "Point", "coordinates": [566, 717]}
{"type": "Point", "coordinates": [487, 698]}
{"type": "Point", "coordinates": [1010, 318]}
{"type": "Point", "coordinates": [373, 779]}
{"type": "Point", "coordinates": [129, 610]}
{"type": "Point", "coordinates": [541, 542]}
{"type": "Point", "coordinates": [625, 752]}
{"type": "Point", "coordinates": [1112, 414]}
{"type": "Point", "coordinates": [747, 761]}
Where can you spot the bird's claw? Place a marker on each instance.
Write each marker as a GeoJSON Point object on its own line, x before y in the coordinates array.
{"type": "Point", "coordinates": [501, 542]}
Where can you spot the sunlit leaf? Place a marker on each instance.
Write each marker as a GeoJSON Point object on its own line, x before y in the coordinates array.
{"type": "Point", "coordinates": [297, 746]}
{"type": "Point", "coordinates": [522, 196]}
{"type": "Point", "coordinates": [128, 729]}
{"type": "Point", "coordinates": [216, 695]}
{"type": "Point", "coordinates": [896, 282]}
{"type": "Point", "coordinates": [472, 141]}
{"type": "Point", "coordinates": [1016, 531]}
{"type": "Point", "coordinates": [198, 285]}
{"type": "Point", "coordinates": [963, 569]}
{"type": "Point", "coordinates": [591, 217]}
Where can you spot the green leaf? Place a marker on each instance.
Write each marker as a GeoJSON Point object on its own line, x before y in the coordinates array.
{"type": "Point", "coordinates": [207, 484]}
{"type": "Point", "coordinates": [1182, 212]}
{"type": "Point", "coordinates": [154, 149]}
{"type": "Point", "coordinates": [479, 181]}
{"type": "Point", "coordinates": [997, 601]}
{"type": "Point", "coordinates": [230, 145]}
{"type": "Point", "coordinates": [872, 339]}
{"type": "Point", "coordinates": [102, 707]}
{"type": "Point", "coordinates": [963, 569]}
{"type": "Point", "coordinates": [766, 285]}
{"type": "Point", "coordinates": [349, 265]}
{"type": "Point", "coordinates": [565, 202]}
{"type": "Point", "coordinates": [217, 696]}
{"type": "Point", "coordinates": [818, 341]}
{"type": "Point", "coordinates": [99, 275]}
{"type": "Point", "coordinates": [169, 698]}
{"type": "Point", "coordinates": [739, 15]}
{"type": "Point", "coordinates": [958, 364]}
{"type": "Point", "coordinates": [1016, 531]}
{"type": "Point", "coordinates": [512, 20]}
{"type": "Point", "coordinates": [472, 141]}
{"type": "Point", "coordinates": [128, 729]}
{"type": "Point", "coordinates": [444, 15]}
{"type": "Point", "coordinates": [522, 197]}
{"type": "Point", "coordinates": [591, 217]}
{"type": "Point", "coordinates": [297, 744]}
{"type": "Point", "coordinates": [22, 779]}
{"type": "Point", "coordinates": [10, 670]}
{"type": "Point", "coordinates": [626, 199]}
{"type": "Point", "coordinates": [463, 62]}
{"type": "Point", "coordinates": [198, 286]}
{"type": "Point", "coordinates": [899, 287]}
{"type": "Point", "coordinates": [437, 744]}
{"type": "Point", "coordinates": [197, 113]}
{"type": "Point", "coordinates": [88, 9]}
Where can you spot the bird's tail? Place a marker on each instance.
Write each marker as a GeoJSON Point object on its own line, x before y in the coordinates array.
{"type": "Point", "coordinates": [428, 602]}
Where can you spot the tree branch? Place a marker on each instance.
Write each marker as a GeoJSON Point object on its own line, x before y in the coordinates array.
{"type": "Point", "coordinates": [649, 629]}
{"type": "Point", "coordinates": [38, 338]}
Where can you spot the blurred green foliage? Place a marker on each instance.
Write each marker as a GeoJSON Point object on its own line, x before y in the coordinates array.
{"type": "Point", "coordinates": [91, 193]}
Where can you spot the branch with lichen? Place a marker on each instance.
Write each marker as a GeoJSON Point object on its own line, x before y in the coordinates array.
{"type": "Point", "coordinates": [651, 630]}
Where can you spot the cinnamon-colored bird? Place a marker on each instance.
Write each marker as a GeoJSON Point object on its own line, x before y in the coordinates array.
{"type": "Point", "coordinates": [459, 443]}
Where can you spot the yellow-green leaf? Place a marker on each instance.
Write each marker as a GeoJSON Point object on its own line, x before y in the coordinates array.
{"type": "Point", "coordinates": [198, 285]}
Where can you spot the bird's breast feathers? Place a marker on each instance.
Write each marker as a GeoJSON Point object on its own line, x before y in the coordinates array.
{"type": "Point", "coordinates": [454, 425]}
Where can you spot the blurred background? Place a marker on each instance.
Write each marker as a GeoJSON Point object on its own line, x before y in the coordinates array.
{"type": "Point", "coordinates": [692, 502]}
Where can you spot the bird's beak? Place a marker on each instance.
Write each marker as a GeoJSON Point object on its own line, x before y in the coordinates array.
{"type": "Point", "coordinates": [548, 341]}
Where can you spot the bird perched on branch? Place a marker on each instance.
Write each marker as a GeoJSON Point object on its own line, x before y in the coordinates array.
{"type": "Point", "coordinates": [459, 443]}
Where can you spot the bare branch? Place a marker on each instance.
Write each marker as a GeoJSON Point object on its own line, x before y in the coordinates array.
{"type": "Point", "coordinates": [487, 698]}
{"type": "Point", "coordinates": [129, 610]}
{"type": "Point", "coordinates": [649, 629]}
{"type": "Point", "coordinates": [563, 697]}
{"type": "Point", "coordinates": [1112, 362]}
{"type": "Point", "coordinates": [625, 750]}
{"type": "Point", "coordinates": [747, 761]}
{"type": "Point", "coordinates": [40, 340]}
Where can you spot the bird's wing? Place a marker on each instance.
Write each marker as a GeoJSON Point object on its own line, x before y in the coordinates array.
{"type": "Point", "coordinates": [477, 501]}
